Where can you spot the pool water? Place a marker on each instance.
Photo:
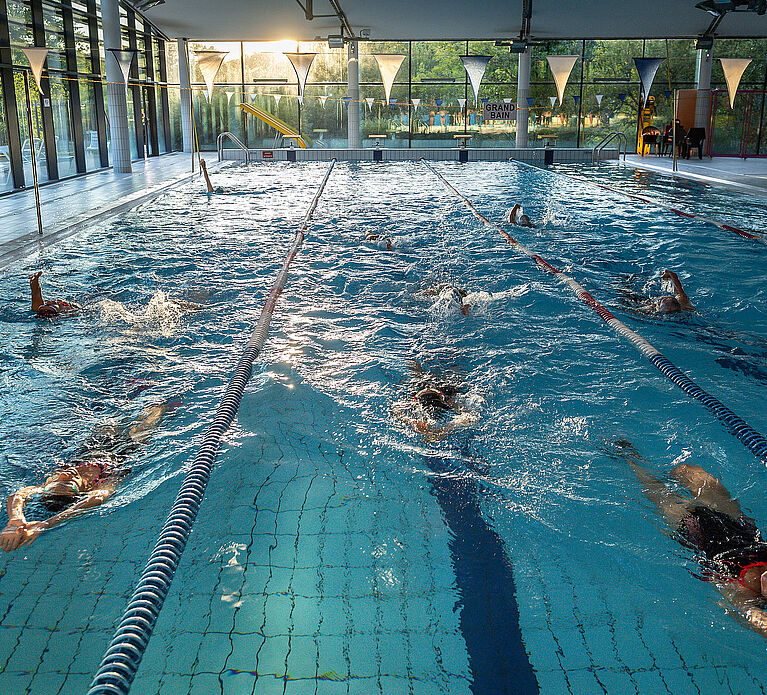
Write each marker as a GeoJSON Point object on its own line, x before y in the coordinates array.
{"type": "Point", "coordinates": [337, 551]}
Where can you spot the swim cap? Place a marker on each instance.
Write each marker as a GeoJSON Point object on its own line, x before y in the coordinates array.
{"type": "Point", "coordinates": [669, 305]}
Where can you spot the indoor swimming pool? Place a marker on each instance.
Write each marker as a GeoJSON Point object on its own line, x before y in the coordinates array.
{"type": "Point", "coordinates": [337, 550]}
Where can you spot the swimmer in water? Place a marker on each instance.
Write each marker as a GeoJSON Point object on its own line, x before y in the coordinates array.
{"type": "Point", "coordinates": [728, 545]}
{"type": "Point", "coordinates": [47, 309]}
{"type": "Point", "coordinates": [449, 297]}
{"type": "Point", "coordinates": [667, 304]}
{"type": "Point", "coordinates": [518, 217]}
{"type": "Point", "coordinates": [381, 241]}
{"type": "Point", "coordinates": [89, 479]}
{"type": "Point", "coordinates": [435, 408]}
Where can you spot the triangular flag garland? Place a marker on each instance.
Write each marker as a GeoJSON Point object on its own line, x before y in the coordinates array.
{"type": "Point", "coordinates": [507, 100]}
{"type": "Point", "coordinates": [392, 101]}
{"type": "Point", "coordinates": [553, 101]}
{"type": "Point", "coordinates": [36, 57]}
{"type": "Point", "coordinates": [370, 101]}
{"type": "Point", "coordinates": [462, 102]}
{"type": "Point", "coordinates": [253, 98]}
{"type": "Point", "coordinates": [475, 67]}
{"type": "Point", "coordinates": [277, 98]}
{"type": "Point", "coordinates": [346, 101]}
{"type": "Point", "coordinates": [124, 58]}
{"type": "Point", "coordinates": [530, 101]}
{"type": "Point", "coordinates": [323, 99]}
{"type": "Point", "coordinates": [438, 102]}
{"type": "Point", "coordinates": [733, 69]}
{"type": "Point", "coordinates": [209, 63]}
{"type": "Point", "coordinates": [576, 99]}
{"type": "Point", "coordinates": [302, 63]}
{"type": "Point", "coordinates": [389, 65]}
{"type": "Point", "coordinates": [561, 67]}
{"type": "Point", "coordinates": [647, 67]}
{"type": "Point", "coordinates": [599, 99]}
{"type": "Point", "coordinates": [416, 103]}
{"type": "Point", "coordinates": [229, 96]}
{"type": "Point", "coordinates": [667, 93]}
{"type": "Point", "coordinates": [622, 97]}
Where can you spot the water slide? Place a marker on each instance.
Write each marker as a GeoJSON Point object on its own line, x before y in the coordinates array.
{"type": "Point", "coordinates": [282, 127]}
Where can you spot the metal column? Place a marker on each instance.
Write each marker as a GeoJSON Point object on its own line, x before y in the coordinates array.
{"type": "Point", "coordinates": [116, 92]}
{"type": "Point", "coordinates": [353, 110]}
{"type": "Point", "coordinates": [703, 86]}
{"type": "Point", "coordinates": [523, 91]}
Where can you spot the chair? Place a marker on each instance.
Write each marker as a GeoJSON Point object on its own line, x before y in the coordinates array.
{"type": "Point", "coordinates": [26, 151]}
{"type": "Point", "coordinates": [650, 138]}
{"type": "Point", "coordinates": [695, 139]}
{"type": "Point", "coordinates": [5, 161]}
{"type": "Point", "coordinates": [92, 138]}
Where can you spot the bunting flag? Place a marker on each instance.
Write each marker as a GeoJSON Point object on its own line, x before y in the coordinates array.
{"type": "Point", "coordinates": [530, 101]}
{"type": "Point", "coordinates": [209, 63]}
{"type": "Point", "coordinates": [733, 69]}
{"type": "Point", "coordinates": [647, 67]}
{"type": "Point", "coordinates": [475, 67]}
{"type": "Point", "coordinates": [486, 101]}
{"type": "Point", "coordinates": [667, 93]}
{"type": "Point", "coordinates": [507, 100]}
{"type": "Point", "coordinates": [388, 65]}
{"type": "Point", "coordinates": [229, 96]}
{"type": "Point", "coordinates": [553, 101]}
{"type": "Point", "coordinates": [438, 102]}
{"type": "Point", "coordinates": [622, 97]}
{"type": "Point", "coordinates": [302, 63]}
{"type": "Point", "coordinates": [36, 57]}
{"type": "Point", "coordinates": [277, 98]}
{"type": "Point", "coordinates": [253, 98]}
{"type": "Point", "coordinates": [392, 101]}
{"type": "Point", "coordinates": [577, 100]}
{"type": "Point", "coordinates": [124, 59]}
{"type": "Point", "coordinates": [462, 103]}
{"type": "Point", "coordinates": [346, 101]}
{"type": "Point", "coordinates": [416, 103]}
{"type": "Point", "coordinates": [561, 67]}
{"type": "Point", "coordinates": [323, 99]}
{"type": "Point", "coordinates": [599, 99]}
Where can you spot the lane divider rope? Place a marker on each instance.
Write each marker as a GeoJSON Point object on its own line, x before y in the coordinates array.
{"type": "Point", "coordinates": [721, 225]}
{"type": "Point", "coordinates": [121, 660]}
{"type": "Point", "coordinates": [750, 438]}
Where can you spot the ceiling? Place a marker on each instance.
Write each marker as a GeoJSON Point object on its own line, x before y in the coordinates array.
{"type": "Point", "coordinates": [268, 20]}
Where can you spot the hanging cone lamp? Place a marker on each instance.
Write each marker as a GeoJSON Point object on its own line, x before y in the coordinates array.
{"type": "Point", "coordinates": [733, 69]}
{"type": "Point", "coordinates": [302, 63]}
{"type": "Point", "coordinates": [277, 98]}
{"type": "Point", "coordinates": [124, 58]}
{"type": "Point", "coordinates": [389, 65]}
{"type": "Point", "coordinates": [647, 67]}
{"type": "Point", "coordinates": [475, 67]}
{"type": "Point", "coordinates": [36, 57]}
{"type": "Point", "coordinates": [229, 96]}
{"type": "Point", "coordinates": [561, 67]}
{"type": "Point", "coordinates": [209, 63]}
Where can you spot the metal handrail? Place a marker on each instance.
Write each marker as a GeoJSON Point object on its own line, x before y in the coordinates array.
{"type": "Point", "coordinates": [607, 139]}
{"type": "Point", "coordinates": [235, 140]}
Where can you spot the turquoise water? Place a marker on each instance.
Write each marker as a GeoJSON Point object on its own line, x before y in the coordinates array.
{"type": "Point", "coordinates": [336, 550]}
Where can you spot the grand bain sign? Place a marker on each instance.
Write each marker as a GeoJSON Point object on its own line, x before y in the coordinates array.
{"type": "Point", "coordinates": [499, 111]}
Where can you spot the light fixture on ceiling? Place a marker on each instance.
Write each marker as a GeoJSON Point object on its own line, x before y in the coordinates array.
{"type": "Point", "coordinates": [719, 8]}
{"type": "Point", "coordinates": [143, 5]}
{"type": "Point", "coordinates": [335, 41]}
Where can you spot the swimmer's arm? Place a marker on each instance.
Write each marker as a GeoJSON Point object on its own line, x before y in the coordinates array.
{"type": "Point", "coordinates": [12, 535]}
{"type": "Point", "coordinates": [745, 602]}
{"type": "Point", "coordinates": [92, 499]}
{"type": "Point", "coordinates": [513, 213]}
{"type": "Point", "coordinates": [679, 293]}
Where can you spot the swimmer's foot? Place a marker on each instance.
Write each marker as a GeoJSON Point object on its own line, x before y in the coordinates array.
{"type": "Point", "coordinates": [35, 276]}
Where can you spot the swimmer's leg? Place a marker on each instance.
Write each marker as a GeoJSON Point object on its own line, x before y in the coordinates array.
{"type": "Point", "coordinates": [37, 291]}
{"type": "Point", "coordinates": [671, 506]}
{"type": "Point", "coordinates": [706, 489]}
{"type": "Point", "coordinates": [149, 419]}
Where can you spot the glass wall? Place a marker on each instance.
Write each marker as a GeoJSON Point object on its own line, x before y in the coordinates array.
{"type": "Point", "coordinates": [69, 129]}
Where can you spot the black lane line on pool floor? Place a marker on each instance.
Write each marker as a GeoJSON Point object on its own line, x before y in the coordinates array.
{"type": "Point", "coordinates": [747, 435]}
{"type": "Point", "coordinates": [121, 661]}
{"type": "Point", "coordinates": [721, 225]}
{"type": "Point", "coordinates": [489, 614]}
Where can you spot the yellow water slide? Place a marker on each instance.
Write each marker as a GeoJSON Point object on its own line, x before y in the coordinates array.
{"type": "Point", "coordinates": [277, 124]}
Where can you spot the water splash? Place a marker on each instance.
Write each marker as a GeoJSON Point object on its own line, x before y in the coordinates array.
{"type": "Point", "coordinates": [162, 314]}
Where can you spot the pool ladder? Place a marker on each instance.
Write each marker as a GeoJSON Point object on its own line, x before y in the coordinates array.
{"type": "Point", "coordinates": [606, 140]}
{"type": "Point", "coordinates": [235, 140]}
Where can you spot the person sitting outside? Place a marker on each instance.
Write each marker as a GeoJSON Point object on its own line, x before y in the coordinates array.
{"type": "Point", "coordinates": [710, 522]}
{"type": "Point", "coordinates": [47, 309]}
{"type": "Point", "coordinates": [87, 481]}
{"type": "Point", "coordinates": [518, 217]}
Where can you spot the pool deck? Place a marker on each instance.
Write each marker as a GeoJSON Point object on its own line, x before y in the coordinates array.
{"type": "Point", "coordinates": [729, 172]}
{"type": "Point", "coordinates": [69, 205]}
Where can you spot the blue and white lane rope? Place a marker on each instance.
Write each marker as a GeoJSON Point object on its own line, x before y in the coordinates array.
{"type": "Point", "coordinates": [121, 660]}
{"type": "Point", "coordinates": [721, 225]}
{"type": "Point", "coordinates": [750, 438]}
